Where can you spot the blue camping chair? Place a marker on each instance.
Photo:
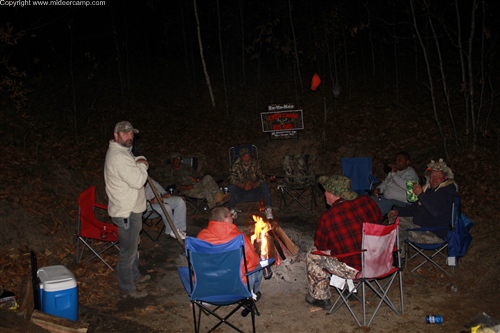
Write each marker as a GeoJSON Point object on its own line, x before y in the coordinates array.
{"type": "Point", "coordinates": [359, 171]}
{"type": "Point", "coordinates": [456, 241]}
{"type": "Point", "coordinates": [213, 278]}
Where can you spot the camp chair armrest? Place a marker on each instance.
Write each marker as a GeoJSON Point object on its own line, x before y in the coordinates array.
{"type": "Point", "coordinates": [101, 206]}
{"type": "Point", "coordinates": [428, 229]}
{"type": "Point", "coordinates": [341, 255]}
{"type": "Point", "coordinates": [270, 261]}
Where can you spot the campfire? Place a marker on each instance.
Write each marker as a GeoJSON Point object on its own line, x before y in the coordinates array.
{"type": "Point", "coordinates": [270, 241]}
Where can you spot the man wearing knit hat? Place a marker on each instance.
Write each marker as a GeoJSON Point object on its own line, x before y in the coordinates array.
{"type": "Point", "coordinates": [433, 208]}
{"type": "Point", "coordinates": [338, 230]}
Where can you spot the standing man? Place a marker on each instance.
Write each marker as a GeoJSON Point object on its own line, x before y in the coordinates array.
{"type": "Point", "coordinates": [248, 183]}
{"type": "Point", "coordinates": [338, 231]}
{"type": "Point", "coordinates": [393, 188]}
{"type": "Point", "coordinates": [125, 175]}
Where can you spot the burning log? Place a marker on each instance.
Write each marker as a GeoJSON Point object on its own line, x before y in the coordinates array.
{"type": "Point", "coordinates": [270, 239]}
{"type": "Point", "coordinates": [277, 244]}
{"type": "Point", "coordinates": [287, 241]}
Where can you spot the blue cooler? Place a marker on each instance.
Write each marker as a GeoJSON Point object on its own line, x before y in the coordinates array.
{"type": "Point", "coordinates": [58, 292]}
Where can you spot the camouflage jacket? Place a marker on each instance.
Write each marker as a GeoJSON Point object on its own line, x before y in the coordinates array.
{"type": "Point", "coordinates": [240, 175]}
{"type": "Point", "coordinates": [186, 175]}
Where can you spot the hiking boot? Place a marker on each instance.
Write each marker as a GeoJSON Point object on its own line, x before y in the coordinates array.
{"type": "Point", "coordinates": [182, 234]}
{"type": "Point", "coordinates": [222, 198]}
{"type": "Point", "coordinates": [269, 213]}
{"type": "Point", "coordinates": [325, 304]}
{"type": "Point", "coordinates": [136, 294]}
{"type": "Point", "coordinates": [258, 295]}
{"type": "Point", "coordinates": [143, 278]}
{"type": "Point", "coordinates": [234, 214]}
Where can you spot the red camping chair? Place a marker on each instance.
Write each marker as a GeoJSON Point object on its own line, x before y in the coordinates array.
{"type": "Point", "coordinates": [379, 246]}
{"type": "Point", "coordinates": [93, 234]}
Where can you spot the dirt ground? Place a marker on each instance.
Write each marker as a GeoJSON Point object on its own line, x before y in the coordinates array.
{"type": "Point", "coordinates": [283, 308]}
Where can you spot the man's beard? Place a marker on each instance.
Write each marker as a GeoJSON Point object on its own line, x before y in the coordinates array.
{"type": "Point", "coordinates": [127, 143]}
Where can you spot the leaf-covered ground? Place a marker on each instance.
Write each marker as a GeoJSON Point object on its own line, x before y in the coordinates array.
{"type": "Point", "coordinates": [44, 169]}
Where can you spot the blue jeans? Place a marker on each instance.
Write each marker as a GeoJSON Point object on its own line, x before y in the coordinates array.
{"type": "Point", "coordinates": [255, 280]}
{"type": "Point", "coordinates": [128, 260]}
{"type": "Point", "coordinates": [255, 194]}
{"type": "Point", "coordinates": [386, 205]}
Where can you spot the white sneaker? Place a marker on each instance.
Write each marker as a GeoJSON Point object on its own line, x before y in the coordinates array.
{"type": "Point", "coordinates": [182, 234]}
{"type": "Point", "coordinates": [234, 214]}
{"type": "Point", "coordinates": [269, 213]}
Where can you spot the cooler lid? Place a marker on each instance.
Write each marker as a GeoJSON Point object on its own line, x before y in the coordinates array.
{"type": "Point", "coordinates": [55, 278]}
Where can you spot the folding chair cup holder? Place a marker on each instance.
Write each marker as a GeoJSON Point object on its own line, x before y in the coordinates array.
{"type": "Point", "coordinates": [93, 234]}
{"type": "Point", "coordinates": [213, 281]}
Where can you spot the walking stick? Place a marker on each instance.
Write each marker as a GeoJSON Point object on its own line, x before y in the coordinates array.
{"type": "Point", "coordinates": [169, 219]}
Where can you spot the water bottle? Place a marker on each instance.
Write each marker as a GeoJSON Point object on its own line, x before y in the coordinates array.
{"type": "Point", "coordinates": [432, 319]}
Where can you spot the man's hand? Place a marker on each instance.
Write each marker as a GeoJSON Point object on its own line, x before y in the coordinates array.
{"type": "Point", "coordinates": [143, 161]}
{"type": "Point", "coordinates": [376, 192]}
{"type": "Point", "coordinates": [417, 189]}
{"type": "Point", "coordinates": [248, 186]}
{"type": "Point", "coordinates": [392, 213]}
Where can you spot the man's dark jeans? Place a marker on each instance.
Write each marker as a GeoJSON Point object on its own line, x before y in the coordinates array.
{"type": "Point", "coordinates": [256, 194]}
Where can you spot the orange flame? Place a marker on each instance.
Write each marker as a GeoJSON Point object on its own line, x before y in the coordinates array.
{"type": "Point", "coordinates": [261, 229]}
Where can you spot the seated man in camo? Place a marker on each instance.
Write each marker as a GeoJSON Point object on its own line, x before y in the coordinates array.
{"type": "Point", "coordinates": [188, 182]}
{"type": "Point", "coordinates": [247, 182]}
{"type": "Point", "coordinates": [338, 230]}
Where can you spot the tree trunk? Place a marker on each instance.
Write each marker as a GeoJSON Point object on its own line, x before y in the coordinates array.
{"type": "Point", "coordinates": [207, 77]}
{"type": "Point", "coordinates": [429, 75]}
{"type": "Point", "coordinates": [297, 62]}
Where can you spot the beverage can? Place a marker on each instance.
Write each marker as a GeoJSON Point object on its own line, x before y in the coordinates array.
{"type": "Point", "coordinates": [410, 196]}
{"type": "Point", "coordinates": [104, 233]}
{"type": "Point", "coordinates": [432, 319]}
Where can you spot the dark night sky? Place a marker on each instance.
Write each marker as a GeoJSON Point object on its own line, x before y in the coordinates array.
{"type": "Point", "coordinates": [165, 31]}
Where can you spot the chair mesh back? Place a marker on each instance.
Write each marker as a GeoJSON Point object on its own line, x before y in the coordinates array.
{"type": "Point", "coordinates": [378, 241]}
{"type": "Point", "coordinates": [90, 226]}
{"type": "Point", "coordinates": [297, 165]}
{"type": "Point", "coordinates": [217, 270]}
{"type": "Point", "coordinates": [88, 220]}
{"type": "Point", "coordinates": [358, 170]}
